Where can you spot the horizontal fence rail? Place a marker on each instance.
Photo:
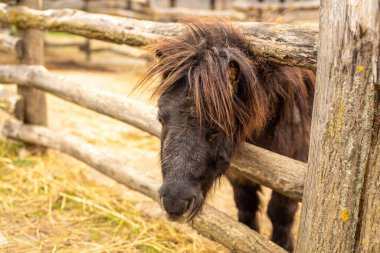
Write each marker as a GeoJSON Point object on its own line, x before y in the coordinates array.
{"type": "Point", "coordinates": [145, 10]}
{"type": "Point", "coordinates": [176, 13]}
{"type": "Point", "coordinates": [79, 4]}
{"type": "Point", "coordinates": [275, 171]}
{"type": "Point", "coordinates": [292, 45]}
{"type": "Point", "coordinates": [210, 222]}
{"type": "Point", "coordinates": [281, 6]}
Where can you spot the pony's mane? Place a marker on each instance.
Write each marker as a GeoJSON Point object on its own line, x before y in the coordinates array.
{"type": "Point", "coordinates": [222, 75]}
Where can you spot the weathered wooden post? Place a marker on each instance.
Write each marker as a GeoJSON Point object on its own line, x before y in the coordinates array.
{"type": "Point", "coordinates": [260, 12]}
{"type": "Point", "coordinates": [33, 108]}
{"type": "Point", "coordinates": [128, 5]}
{"type": "Point", "coordinates": [172, 3]}
{"type": "Point", "coordinates": [341, 200]}
{"type": "Point", "coordinates": [212, 5]}
{"type": "Point", "coordinates": [87, 43]}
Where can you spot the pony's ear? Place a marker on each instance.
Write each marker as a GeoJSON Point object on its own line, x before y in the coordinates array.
{"type": "Point", "coordinates": [233, 73]}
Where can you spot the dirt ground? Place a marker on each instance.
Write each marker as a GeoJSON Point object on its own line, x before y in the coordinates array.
{"type": "Point", "coordinates": [139, 149]}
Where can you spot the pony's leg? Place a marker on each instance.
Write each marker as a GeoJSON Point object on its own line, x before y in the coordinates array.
{"type": "Point", "coordinates": [281, 211]}
{"type": "Point", "coordinates": [247, 201]}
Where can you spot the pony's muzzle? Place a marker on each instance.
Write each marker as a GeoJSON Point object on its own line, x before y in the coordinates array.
{"type": "Point", "coordinates": [180, 202]}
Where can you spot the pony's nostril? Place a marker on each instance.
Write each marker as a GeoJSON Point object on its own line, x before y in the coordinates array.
{"type": "Point", "coordinates": [177, 207]}
{"type": "Point", "coordinates": [190, 204]}
{"type": "Point", "coordinates": [161, 203]}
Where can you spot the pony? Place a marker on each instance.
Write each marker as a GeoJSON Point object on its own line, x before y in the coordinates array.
{"type": "Point", "coordinates": [214, 94]}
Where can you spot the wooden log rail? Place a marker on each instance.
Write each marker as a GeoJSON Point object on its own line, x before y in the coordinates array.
{"type": "Point", "coordinates": [244, 6]}
{"type": "Point", "coordinates": [78, 4]}
{"type": "Point", "coordinates": [292, 45]}
{"type": "Point", "coordinates": [178, 13]}
{"type": "Point", "coordinates": [117, 49]}
{"type": "Point", "coordinates": [210, 222]}
{"type": "Point", "coordinates": [278, 172]}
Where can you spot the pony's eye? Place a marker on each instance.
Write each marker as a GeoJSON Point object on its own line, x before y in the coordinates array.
{"type": "Point", "coordinates": [212, 136]}
{"type": "Point", "coordinates": [159, 119]}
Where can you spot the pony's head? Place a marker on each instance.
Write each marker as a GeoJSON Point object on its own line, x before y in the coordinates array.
{"type": "Point", "coordinates": [209, 102]}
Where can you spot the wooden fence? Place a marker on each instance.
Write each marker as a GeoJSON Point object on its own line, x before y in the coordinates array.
{"type": "Point", "coordinates": [341, 204]}
{"type": "Point", "coordinates": [145, 9]}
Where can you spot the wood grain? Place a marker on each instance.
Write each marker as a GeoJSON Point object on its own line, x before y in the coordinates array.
{"type": "Point", "coordinates": [342, 184]}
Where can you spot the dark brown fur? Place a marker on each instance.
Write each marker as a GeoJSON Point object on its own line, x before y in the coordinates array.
{"type": "Point", "coordinates": [215, 94]}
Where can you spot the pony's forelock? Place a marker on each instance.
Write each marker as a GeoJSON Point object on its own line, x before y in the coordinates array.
{"type": "Point", "coordinates": [204, 56]}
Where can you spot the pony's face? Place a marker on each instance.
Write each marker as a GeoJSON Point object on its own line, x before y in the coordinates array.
{"type": "Point", "coordinates": [209, 102]}
{"type": "Point", "coordinates": [193, 155]}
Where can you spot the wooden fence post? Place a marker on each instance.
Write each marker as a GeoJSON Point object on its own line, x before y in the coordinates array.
{"type": "Point", "coordinates": [128, 5]}
{"type": "Point", "coordinates": [212, 4]}
{"type": "Point", "coordinates": [87, 43]}
{"type": "Point", "coordinates": [33, 108]}
{"type": "Point", "coordinates": [172, 3]}
{"type": "Point", "coordinates": [341, 203]}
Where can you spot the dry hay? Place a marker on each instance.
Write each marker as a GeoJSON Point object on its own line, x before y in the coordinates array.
{"type": "Point", "coordinates": [48, 204]}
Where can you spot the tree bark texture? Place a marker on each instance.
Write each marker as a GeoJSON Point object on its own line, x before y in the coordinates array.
{"type": "Point", "coordinates": [33, 107]}
{"type": "Point", "coordinates": [292, 45]}
{"type": "Point", "coordinates": [210, 222]}
{"type": "Point", "coordinates": [368, 239]}
{"type": "Point", "coordinates": [278, 172]}
{"type": "Point", "coordinates": [340, 211]}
